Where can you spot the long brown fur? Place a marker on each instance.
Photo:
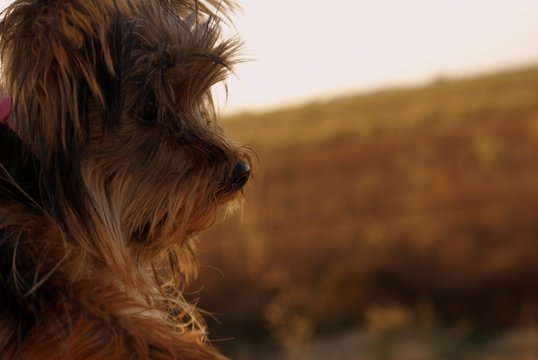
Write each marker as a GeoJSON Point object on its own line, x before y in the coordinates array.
{"type": "Point", "coordinates": [111, 164]}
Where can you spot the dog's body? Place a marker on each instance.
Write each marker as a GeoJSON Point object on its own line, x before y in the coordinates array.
{"type": "Point", "coordinates": [110, 163]}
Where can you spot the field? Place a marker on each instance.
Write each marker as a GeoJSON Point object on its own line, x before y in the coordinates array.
{"type": "Point", "coordinates": [401, 224]}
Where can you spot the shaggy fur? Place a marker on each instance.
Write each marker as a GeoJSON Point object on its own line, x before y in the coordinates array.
{"type": "Point", "coordinates": [111, 162]}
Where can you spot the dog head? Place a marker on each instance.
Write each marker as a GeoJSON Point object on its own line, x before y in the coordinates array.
{"type": "Point", "coordinates": [113, 99]}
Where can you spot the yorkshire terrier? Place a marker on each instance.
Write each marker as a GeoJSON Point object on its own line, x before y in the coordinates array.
{"type": "Point", "coordinates": [110, 163]}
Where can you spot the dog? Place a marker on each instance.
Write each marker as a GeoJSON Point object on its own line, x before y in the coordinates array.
{"type": "Point", "coordinates": [111, 163]}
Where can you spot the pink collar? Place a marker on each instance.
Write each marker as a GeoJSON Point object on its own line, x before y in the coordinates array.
{"type": "Point", "coordinates": [5, 110]}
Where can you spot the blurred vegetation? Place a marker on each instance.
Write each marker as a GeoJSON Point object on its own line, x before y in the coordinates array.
{"type": "Point", "coordinates": [401, 224]}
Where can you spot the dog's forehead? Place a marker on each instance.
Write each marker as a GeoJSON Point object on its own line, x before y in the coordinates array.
{"type": "Point", "coordinates": [158, 31]}
{"type": "Point", "coordinates": [153, 22]}
{"type": "Point", "coordinates": [161, 46]}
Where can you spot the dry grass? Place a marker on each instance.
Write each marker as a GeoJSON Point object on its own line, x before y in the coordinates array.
{"type": "Point", "coordinates": [367, 207]}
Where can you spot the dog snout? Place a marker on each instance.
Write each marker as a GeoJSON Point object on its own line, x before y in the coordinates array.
{"type": "Point", "coordinates": [240, 174]}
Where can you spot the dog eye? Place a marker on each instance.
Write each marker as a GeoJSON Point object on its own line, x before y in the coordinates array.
{"type": "Point", "coordinates": [149, 112]}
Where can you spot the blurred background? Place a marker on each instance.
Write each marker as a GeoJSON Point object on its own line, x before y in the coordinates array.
{"type": "Point", "coordinates": [394, 210]}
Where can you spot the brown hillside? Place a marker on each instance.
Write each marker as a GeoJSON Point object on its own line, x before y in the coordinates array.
{"type": "Point", "coordinates": [405, 197]}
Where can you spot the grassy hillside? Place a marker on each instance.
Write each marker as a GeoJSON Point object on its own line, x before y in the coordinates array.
{"type": "Point", "coordinates": [384, 211]}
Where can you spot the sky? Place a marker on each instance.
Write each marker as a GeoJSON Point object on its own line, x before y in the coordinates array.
{"type": "Point", "coordinates": [304, 50]}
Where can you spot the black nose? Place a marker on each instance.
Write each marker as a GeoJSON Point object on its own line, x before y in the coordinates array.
{"type": "Point", "coordinates": [240, 174]}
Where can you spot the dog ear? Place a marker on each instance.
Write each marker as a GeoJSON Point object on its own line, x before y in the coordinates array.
{"type": "Point", "coordinates": [46, 64]}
